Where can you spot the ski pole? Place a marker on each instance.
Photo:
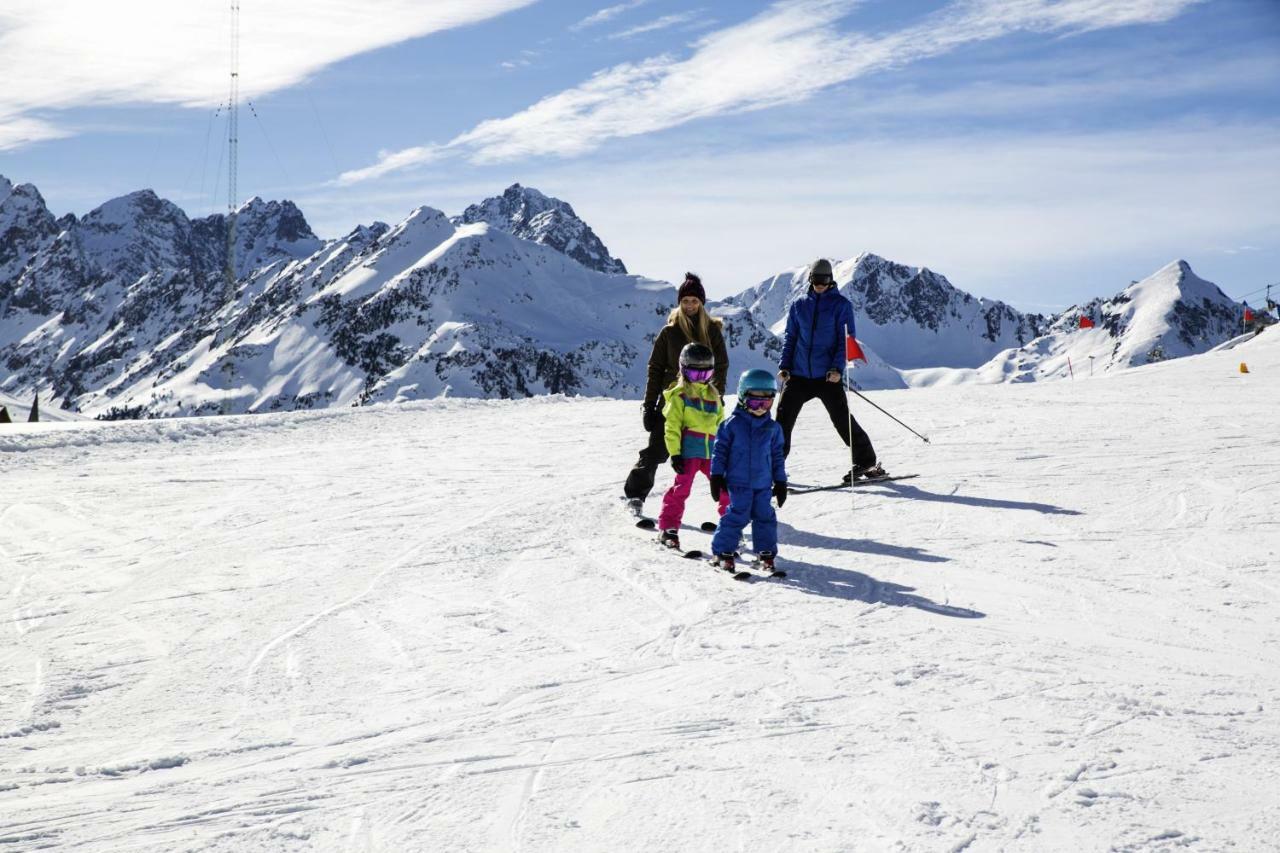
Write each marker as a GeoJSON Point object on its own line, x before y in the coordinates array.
{"type": "Point", "coordinates": [900, 423]}
{"type": "Point", "coordinates": [853, 454]}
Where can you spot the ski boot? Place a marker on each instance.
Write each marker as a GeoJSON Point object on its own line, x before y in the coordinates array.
{"type": "Point", "coordinates": [669, 539]}
{"type": "Point", "coordinates": [871, 472]}
{"type": "Point", "coordinates": [727, 562]}
{"type": "Point", "coordinates": [765, 563]}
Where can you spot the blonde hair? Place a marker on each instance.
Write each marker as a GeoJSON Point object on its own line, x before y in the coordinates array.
{"type": "Point", "coordinates": [698, 329]}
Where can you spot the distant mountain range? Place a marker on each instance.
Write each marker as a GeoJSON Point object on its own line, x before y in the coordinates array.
{"type": "Point", "coordinates": [127, 312]}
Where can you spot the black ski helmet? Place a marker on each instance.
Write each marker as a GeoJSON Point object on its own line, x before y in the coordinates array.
{"type": "Point", "coordinates": [822, 267]}
{"type": "Point", "coordinates": [696, 356]}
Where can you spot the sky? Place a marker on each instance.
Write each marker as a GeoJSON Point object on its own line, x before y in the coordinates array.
{"type": "Point", "coordinates": [1041, 152]}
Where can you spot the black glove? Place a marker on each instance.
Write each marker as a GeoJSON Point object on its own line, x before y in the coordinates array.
{"type": "Point", "coordinates": [677, 462]}
{"type": "Point", "coordinates": [717, 485]}
{"type": "Point", "coordinates": [652, 418]}
{"type": "Point", "coordinates": [780, 492]}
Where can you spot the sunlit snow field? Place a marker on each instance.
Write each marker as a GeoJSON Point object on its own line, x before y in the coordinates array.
{"type": "Point", "coordinates": [431, 627]}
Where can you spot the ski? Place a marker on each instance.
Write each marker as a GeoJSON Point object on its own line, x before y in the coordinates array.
{"type": "Point", "coordinates": [693, 554]}
{"type": "Point", "coordinates": [804, 490]}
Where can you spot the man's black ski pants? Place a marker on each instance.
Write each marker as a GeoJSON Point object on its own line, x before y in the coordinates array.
{"type": "Point", "coordinates": [800, 390]}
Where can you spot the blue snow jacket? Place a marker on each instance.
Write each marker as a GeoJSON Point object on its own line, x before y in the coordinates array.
{"type": "Point", "coordinates": [748, 451]}
{"type": "Point", "coordinates": [813, 343]}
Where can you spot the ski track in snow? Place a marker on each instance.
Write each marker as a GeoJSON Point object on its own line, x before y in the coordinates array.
{"type": "Point", "coordinates": [433, 627]}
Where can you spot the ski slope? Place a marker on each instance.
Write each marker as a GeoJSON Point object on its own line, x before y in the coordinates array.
{"type": "Point", "coordinates": [431, 627]}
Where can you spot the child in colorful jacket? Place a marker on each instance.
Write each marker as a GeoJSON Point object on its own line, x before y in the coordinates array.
{"type": "Point", "coordinates": [692, 411]}
{"type": "Point", "coordinates": [748, 462]}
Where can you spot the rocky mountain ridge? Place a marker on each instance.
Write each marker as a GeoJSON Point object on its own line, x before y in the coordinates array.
{"type": "Point", "coordinates": [1169, 314]}
{"type": "Point", "coordinates": [526, 213]}
{"type": "Point", "coordinates": [127, 312]}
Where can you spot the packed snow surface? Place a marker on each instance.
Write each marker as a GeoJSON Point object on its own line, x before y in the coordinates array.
{"type": "Point", "coordinates": [431, 627]}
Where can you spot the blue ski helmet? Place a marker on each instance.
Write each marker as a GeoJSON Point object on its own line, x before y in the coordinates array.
{"type": "Point", "coordinates": [756, 380]}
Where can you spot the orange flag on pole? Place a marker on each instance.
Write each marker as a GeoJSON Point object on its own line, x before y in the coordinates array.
{"type": "Point", "coordinates": [853, 352]}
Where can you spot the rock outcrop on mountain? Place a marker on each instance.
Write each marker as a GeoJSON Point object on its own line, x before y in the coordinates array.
{"type": "Point", "coordinates": [526, 213]}
{"type": "Point", "coordinates": [1169, 314]}
{"type": "Point", "coordinates": [910, 316]}
{"type": "Point", "coordinates": [127, 312]}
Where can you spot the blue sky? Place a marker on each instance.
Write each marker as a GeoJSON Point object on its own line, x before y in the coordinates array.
{"type": "Point", "coordinates": [1037, 151]}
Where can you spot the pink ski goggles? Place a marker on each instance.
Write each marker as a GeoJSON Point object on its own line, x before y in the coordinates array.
{"type": "Point", "coordinates": [758, 404]}
{"type": "Point", "coordinates": [699, 374]}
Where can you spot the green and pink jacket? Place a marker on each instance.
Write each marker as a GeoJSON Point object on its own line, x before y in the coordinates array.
{"type": "Point", "coordinates": [693, 414]}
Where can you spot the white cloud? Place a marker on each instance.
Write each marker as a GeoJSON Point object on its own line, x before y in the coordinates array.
{"type": "Point", "coordinates": [1030, 218]}
{"type": "Point", "coordinates": [58, 54]}
{"type": "Point", "coordinates": [786, 54]}
{"type": "Point", "coordinates": [665, 22]}
{"type": "Point", "coordinates": [17, 131]}
{"type": "Point", "coordinates": [391, 161]}
{"type": "Point", "coordinates": [606, 14]}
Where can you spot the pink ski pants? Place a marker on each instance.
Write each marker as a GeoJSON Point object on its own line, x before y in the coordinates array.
{"type": "Point", "coordinates": [673, 500]}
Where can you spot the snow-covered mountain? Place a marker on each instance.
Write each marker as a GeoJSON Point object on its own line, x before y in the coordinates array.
{"type": "Point", "coordinates": [1169, 314]}
{"type": "Point", "coordinates": [525, 212]}
{"type": "Point", "coordinates": [909, 316]}
{"type": "Point", "coordinates": [26, 227]}
{"type": "Point", "coordinates": [112, 298]}
{"type": "Point", "coordinates": [126, 312]}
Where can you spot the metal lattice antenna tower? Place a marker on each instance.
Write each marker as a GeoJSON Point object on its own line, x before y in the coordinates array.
{"type": "Point", "coordinates": [233, 140]}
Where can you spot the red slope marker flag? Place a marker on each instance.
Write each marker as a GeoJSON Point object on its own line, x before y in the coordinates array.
{"type": "Point", "coordinates": [853, 352]}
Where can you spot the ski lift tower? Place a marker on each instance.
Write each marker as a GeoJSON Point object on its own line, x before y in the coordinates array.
{"type": "Point", "coordinates": [233, 140]}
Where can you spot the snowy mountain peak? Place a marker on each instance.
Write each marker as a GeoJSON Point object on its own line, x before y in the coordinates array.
{"type": "Point", "coordinates": [18, 202]}
{"type": "Point", "coordinates": [134, 234]}
{"type": "Point", "coordinates": [911, 316]}
{"type": "Point", "coordinates": [1170, 313]}
{"type": "Point", "coordinates": [266, 232]}
{"type": "Point", "coordinates": [129, 210]}
{"type": "Point", "coordinates": [529, 214]}
{"type": "Point", "coordinates": [26, 226]}
{"type": "Point", "coordinates": [424, 225]}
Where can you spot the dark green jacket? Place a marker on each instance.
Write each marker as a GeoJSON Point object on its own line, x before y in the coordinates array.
{"type": "Point", "coordinates": [664, 361]}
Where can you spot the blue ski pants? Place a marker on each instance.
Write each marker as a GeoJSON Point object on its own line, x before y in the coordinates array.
{"type": "Point", "coordinates": [755, 506]}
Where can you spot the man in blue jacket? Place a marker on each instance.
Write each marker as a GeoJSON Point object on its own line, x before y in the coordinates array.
{"type": "Point", "coordinates": [813, 362]}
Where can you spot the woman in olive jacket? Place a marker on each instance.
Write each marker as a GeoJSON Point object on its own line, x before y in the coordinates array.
{"type": "Point", "coordinates": [687, 323]}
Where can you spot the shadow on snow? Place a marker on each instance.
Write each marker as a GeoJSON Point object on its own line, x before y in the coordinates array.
{"type": "Point", "coordinates": [789, 535]}
{"type": "Point", "coordinates": [897, 490]}
{"type": "Point", "coordinates": [849, 585]}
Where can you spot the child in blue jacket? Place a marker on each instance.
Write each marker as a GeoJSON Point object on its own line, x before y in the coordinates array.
{"type": "Point", "coordinates": [748, 461]}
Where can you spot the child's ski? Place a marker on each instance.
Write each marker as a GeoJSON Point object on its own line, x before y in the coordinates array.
{"type": "Point", "coordinates": [693, 554]}
{"type": "Point", "coordinates": [804, 490]}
